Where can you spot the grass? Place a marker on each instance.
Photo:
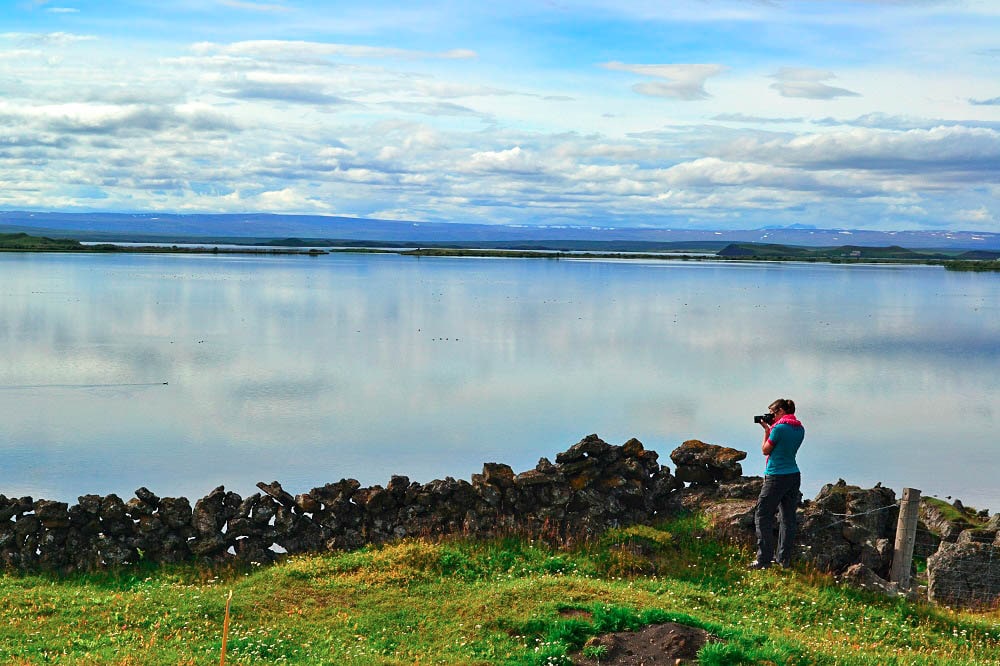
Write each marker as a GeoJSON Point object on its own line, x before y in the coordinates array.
{"type": "Point", "coordinates": [980, 266]}
{"type": "Point", "coordinates": [509, 601]}
{"type": "Point", "coordinates": [953, 514]}
{"type": "Point", "coordinates": [24, 242]}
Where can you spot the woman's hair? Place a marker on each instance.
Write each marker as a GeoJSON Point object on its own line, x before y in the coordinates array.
{"type": "Point", "coordinates": [784, 404]}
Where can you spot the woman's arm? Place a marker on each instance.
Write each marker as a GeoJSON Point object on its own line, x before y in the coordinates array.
{"type": "Point", "coordinates": [767, 446]}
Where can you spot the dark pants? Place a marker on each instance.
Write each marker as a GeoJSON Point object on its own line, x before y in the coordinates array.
{"type": "Point", "coordinates": [780, 492]}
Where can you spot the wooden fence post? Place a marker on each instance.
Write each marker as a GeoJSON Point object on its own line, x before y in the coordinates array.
{"type": "Point", "coordinates": [906, 536]}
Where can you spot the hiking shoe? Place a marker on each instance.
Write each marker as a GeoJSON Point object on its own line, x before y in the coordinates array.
{"type": "Point", "coordinates": [759, 565]}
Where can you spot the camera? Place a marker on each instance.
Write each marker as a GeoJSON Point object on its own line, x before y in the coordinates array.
{"type": "Point", "coordinates": [764, 418]}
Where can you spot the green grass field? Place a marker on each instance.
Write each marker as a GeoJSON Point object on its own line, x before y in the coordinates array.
{"type": "Point", "coordinates": [509, 601]}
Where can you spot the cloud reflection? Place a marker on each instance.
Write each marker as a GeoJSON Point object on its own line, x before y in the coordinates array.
{"type": "Point", "coordinates": [307, 371]}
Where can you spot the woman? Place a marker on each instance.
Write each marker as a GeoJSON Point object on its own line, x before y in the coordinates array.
{"type": "Point", "coordinates": [783, 436]}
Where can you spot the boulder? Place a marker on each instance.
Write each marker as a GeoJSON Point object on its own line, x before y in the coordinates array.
{"type": "Point", "coordinates": [307, 503]}
{"type": "Point", "coordinates": [137, 509]}
{"type": "Point", "coordinates": [977, 535]}
{"type": "Point", "coordinates": [964, 574]}
{"type": "Point", "coordinates": [698, 475]}
{"type": "Point", "coordinates": [861, 576]}
{"type": "Point", "coordinates": [114, 517]}
{"type": "Point", "coordinates": [376, 500]}
{"type": "Point", "coordinates": [336, 494]}
{"type": "Point", "coordinates": [147, 496]}
{"type": "Point", "coordinates": [846, 525]}
{"type": "Point", "coordinates": [275, 490]}
{"type": "Point", "coordinates": [533, 477]}
{"type": "Point", "coordinates": [697, 452]}
{"type": "Point", "coordinates": [545, 466]}
{"type": "Point", "coordinates": [209, 515]}
{"type": "Point", "coordinates": [633, 448]}
{"type": "Point", "coordinates": [175, 512]}
{"type": "Point", "coordinates": [497, 474]}
{"type": "Point", "coordinates": [397, 486]}
{"type": "Point", "coordinates": [589, 446]}
{"type": "Point", "coordinates": [115, 553]}
{"type": "Point", "coordinates": [52, 515]}
{"type": "Point", "coordinates": [703, 464]}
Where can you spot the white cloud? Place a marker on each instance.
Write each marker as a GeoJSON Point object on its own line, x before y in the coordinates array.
{"type": "Point", "coordinates": [47, 38]}
{"type": "Point", "coordinates": [280, 49]}
{"type": "Point", "coordinates": [710, 171]}
{"type": "Point", "coordinates": [807, 83]}
{"type": "Point", "coordinates": [979, 216]}
{"type": "Point", "coordinates": [254, 6]}
{"type": "Point", "coordinates": [360, 124]}
{"type": "Point", "coordinates": [684, 82]}
{"type": "Point", "coordinates": [294, 91]}
{"type": "Point", "coordinates": [907, 211]}
{"type": "Point", "coordinates": [512, 160]}
{"type": "Point", "coordinates": [289, 199]}
{"type": "Point", "coordinates": [952, 149]}
{"type": "Point", "coordinates": [452, 89]}
{"type": "Point", "coordinates": [744, 118]}
{"type": "Point", "coordinates": [438, 109]}
{"type": "Point", "coordinates": [22, 54]}
{"type": "Point", "coordinates": [902, 122]}
{"type": "Point", "coordinates": [82, 118]}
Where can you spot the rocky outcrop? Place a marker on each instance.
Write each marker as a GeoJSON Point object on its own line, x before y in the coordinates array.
{"type": "Point", "coordinates": [706, 464]}
{"type": "Point", "coordinates": [843, 526]}
{"type": "Point", "coordinates": [946, 521]}
{"type": "Point", "coordinates": [851, 531]}
{"type": "Point", "coordinates": [846, 525]}
{"type": "Point", "coordinates": [592, 486]}
{"type": "Point", "coordinates": [963, 567]}
{"type": "Point", "coordinates": [729, 507]}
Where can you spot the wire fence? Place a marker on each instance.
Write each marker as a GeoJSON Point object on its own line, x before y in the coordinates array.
{"type": "Point", "coordinates": [959, 568]}
{"type": "Point", "coordinates": [848, 517]}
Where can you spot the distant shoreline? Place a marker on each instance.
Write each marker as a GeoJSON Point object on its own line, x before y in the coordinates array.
{"type": "Point", "coordinates": [948, 264]}
{"type": "Point", "coordinates": [734, 252]}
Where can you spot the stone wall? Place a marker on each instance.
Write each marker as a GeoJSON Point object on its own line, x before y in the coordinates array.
{"type": "Point", "coordinates": [590, 487]}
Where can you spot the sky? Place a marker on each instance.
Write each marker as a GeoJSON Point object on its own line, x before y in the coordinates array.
{"type": "Point", "coordinates": [706, 114]}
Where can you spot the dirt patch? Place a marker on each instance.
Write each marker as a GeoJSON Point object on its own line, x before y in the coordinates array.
{"type": "Point", "coordinates": [576, 614]}
{"type": "Point", "coordinates": [668, 643]}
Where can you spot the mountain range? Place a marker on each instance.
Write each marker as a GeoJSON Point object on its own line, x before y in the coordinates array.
{"type": "Point", "coordinates": [173, 228]}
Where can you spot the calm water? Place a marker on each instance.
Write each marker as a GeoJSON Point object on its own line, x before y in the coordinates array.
{"type": "Point", "coordinates": [307, 370]}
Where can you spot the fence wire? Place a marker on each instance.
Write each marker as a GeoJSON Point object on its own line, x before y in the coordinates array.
{"type": "Point", "coordinates": [847, 517]}
{"type": "Point", "coordinates": [970, 581]}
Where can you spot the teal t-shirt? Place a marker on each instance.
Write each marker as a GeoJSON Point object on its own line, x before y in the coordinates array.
{"type": "Point", "coordinates": [786, 439]}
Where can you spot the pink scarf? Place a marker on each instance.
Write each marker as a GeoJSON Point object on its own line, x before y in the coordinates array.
{"type": "Point", "coordinates": [790, 420]}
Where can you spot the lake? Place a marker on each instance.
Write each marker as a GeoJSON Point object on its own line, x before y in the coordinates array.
{"type": "Point", "coordinates": [184, 372]}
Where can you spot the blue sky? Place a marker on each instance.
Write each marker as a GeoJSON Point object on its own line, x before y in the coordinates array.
{"type": "Point", "coordinates": [722, 114]}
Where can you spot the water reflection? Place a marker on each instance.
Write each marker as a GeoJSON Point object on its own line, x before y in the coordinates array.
{"type": "Point", "coordinates": [310, 369]}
